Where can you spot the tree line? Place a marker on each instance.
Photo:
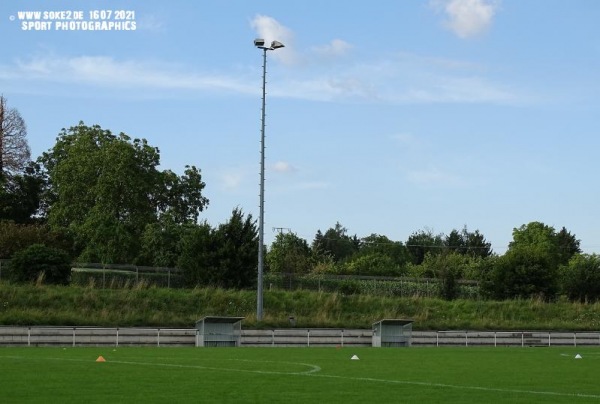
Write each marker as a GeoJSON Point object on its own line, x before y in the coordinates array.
{"type": "Point", "coordinates": [101, 197]}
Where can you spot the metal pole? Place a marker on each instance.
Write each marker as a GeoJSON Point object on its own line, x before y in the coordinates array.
{"type": "Point", "coordinates": [261, 216]}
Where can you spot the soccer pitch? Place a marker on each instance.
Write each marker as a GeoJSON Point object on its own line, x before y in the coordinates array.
{"type": "Point", "coordinates": [299, 375]}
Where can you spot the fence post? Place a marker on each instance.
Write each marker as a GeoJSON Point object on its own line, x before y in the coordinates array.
{"type": "Point", "coordinates": [117, 343]}
{"type": "Point", "coordinates": [74, 330]}
{"type": "Point", "coordinates": [466, 338]}
{"type": "Point", "coordinates": [157, 337]}
{"type": "Point", "coordinates": [28, 336]}
{"type": "Point", "coordinates": [549, 344]}
{"type": "Point", "coordinates": [342, 338]}
{"type": "Point", "coordinates": [437, 339]}
{"type": "Point", "coordinates": [308, 338]}
{"type": "Point", "coordinates": [522, 339]}
{"type": "Point", "coordinates": [575, 339]}
{"type": "Point", "coordinates": [272, 337]}
{"type": "Point", "coordinates": [495, 340]}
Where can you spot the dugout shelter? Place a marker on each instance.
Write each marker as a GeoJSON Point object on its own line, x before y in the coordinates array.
{"type": "Point", "coordinates": [217, 331]}
{"type": "Point", "coordinates": [392, 333]}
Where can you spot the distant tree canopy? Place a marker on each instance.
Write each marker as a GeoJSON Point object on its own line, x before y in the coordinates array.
{"type": "Point", "coordinates": [530, 266]}
{"type": "Point", "coordinates": [106, 189]}
{"type": "Point", "coordinates": [422, 242]}
{"type": "Point", "coordinates": [335, 243]}
{"type": "Point", "coordinates": [289, 254]}
{"type": "Point", "coordinates": [223, 257]}
{"type": "Point", "coordinates": [100, 197]}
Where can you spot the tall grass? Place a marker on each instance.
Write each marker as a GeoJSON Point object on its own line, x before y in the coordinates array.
{"type": "Point", "coordinates": [143, 305]}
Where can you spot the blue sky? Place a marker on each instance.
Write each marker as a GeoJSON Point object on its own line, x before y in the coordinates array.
{"type": "Point", "coordinates": [387, 116]}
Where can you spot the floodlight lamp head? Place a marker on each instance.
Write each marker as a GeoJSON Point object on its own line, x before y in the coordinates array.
{"type": "Point", "coordinates": [276, 45]}
{"type": "Point", "coordinates": [259, 42]}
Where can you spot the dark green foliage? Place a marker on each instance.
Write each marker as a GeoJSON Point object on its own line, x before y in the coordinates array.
{"type": "Point", "coordinates": [373, 264]}
{"type": "Point", "coordinates": [38, 262]}
{"type": "Point", "coordinates": [335, 243]}
{"type": "Point", "coordinates": [530, 266]}
{"type": "Point", "coordinates": [107, 188]}
{"type": "Point", "coordinates": [523, 273]}
{"type": "Point", "coordinates": [567, 245]}
{"type": "Point", "coordinates": [15, 237]}
{"type": "Point", "coordinates": [289, 254]}
{"type": "Point", "coordinates": [21, 195]}
{"type": "Point", "coordinates": [468, 243]}
{"type": "Point", "coordinates": [198, 258]}
{"type": "Point", "coordinates": [237, 242]}
{"type": "Point", "coordinates": [580, 278]}
{"type": "Point", "coordinates": [449, 284]}
{"type": "Point", "coordinates": [378, 255]}
{"type": "Point", "coordinates": [225, 257]}
{"type": "Point", "coordinates": [349, 287]}
{"type": "Point", "coordinates": [161, 243]}
{"type": "Point", "coordinates": [423, 242]}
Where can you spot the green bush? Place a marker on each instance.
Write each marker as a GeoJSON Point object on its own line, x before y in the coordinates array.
{"type": "Point", "coordinates": [349, 287]}
{"type": "Point", "coordinates": [40, 263]}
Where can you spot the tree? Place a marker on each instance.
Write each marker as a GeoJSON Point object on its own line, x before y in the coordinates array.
{"type": "Point", "coordinates": [580, 278]}
{"type": "Point", "coordinates": [373, 264]}
{"type": "Point", "coordinates": [224, 257]}
{"type": "Point", "coordinates": [468, 243]}
{"type": "Point", "coordinates": [378, 256]}
{"type": "Point", "coordinates": [38, 262]}
{"type": "Point", "coordinates": [423, 242]}
{"type": "Point", "coordinates": [559, 247]}
{"type": "Point", "coordinates": [568, 246]}
{"type": "Point", "coordinates": [198, 258]}
{"type": "Point", "coordinates": [14, 150]}
{"type": "Point", "coordinates": [21, 196]}
{"type": "Point", "coordinates": [107, 189]}
{"type": "Point", "coordinates": [523, 272]}
{"type": "Point", "coordinates": [237, 251]}
{"type": "Point", "coordinates": [530, 266]}
{"type": "Point", "coordinates": [15, 237]}
{"type": "Point", "coordinates": [161, 243]}
{"type": "Point", "coordinates": [289, 254]}
{"type": "Point", "coordinates": [181, 198]}
{"type": "Point", "coordinates": [335, 243]}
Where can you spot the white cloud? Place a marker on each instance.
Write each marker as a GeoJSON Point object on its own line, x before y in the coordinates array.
{"type": "Point", "coordinates": [231, 180]}
{"type": "Point", "coordinates": [392, 79]}
{"type": "Point", "coordinates": [107, 71]}
{"type": "Point", "coordinates": [271, 30]}
{"type": "Point", "coordinates": [335, 48]}
{"type": "Point", "coordinates": [467, 18]}
{"type": "Point", "coordinates": [283, 167]}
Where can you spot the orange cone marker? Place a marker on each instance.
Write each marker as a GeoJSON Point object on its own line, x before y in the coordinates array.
{"type": "Point", "coordinates": [100, 359]}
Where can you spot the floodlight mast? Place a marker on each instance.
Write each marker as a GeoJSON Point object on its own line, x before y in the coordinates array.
{"type": "Point", "coordinates": [260, 44]}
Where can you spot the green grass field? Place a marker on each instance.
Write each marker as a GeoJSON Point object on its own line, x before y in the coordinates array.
{"type": "Point", "coordinates": [299, 375]}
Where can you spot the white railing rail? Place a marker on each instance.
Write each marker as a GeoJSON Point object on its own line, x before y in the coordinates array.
{"type": "Point", "coordinates": [162, 337]}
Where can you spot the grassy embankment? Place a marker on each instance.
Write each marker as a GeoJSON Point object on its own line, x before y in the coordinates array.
{"type": "Point", "coordinates": [161, 307]}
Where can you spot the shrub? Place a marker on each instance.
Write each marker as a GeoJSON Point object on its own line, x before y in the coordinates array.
{"type": "Point", "coordinates": [38, 262]}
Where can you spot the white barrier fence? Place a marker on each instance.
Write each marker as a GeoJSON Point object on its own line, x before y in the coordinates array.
{"type": "Point", "coordinates": [168, 337]}
{"type": "Point", "coordinates": [505, 338]}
